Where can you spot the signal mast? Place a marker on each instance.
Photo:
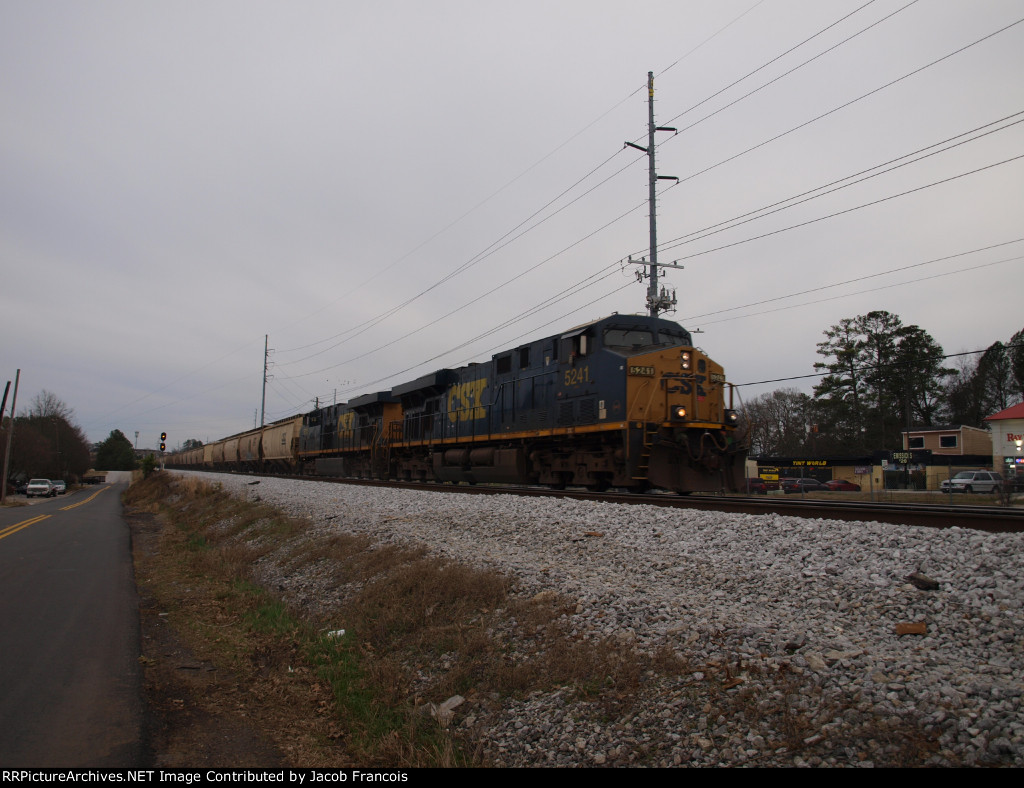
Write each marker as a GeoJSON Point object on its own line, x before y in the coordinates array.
{"type": "Point", "coordinates": [663, 300]}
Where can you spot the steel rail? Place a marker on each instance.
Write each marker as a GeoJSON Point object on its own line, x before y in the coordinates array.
{"type": "Point", "coordinates": [993, 519]}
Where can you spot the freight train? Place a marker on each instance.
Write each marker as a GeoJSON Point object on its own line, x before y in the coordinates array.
{"type": "Point", "coordinates": [625, 401]}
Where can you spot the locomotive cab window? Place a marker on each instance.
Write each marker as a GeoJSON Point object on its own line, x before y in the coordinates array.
{"type": "Point", "coordinates": [524, 357]}
{"type": "Point", "coordinates": [573, 346]}
{"type": "Point", "coordinates": [629, 339]}
{"type": "Point", "coordinates": [671, 338]}
{"type": "Point", "coordinates": [503, 364]}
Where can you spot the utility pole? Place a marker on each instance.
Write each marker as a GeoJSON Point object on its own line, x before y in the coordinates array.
{"type": "Point", "coordinates": [656, 301]}
{"type": "Point", "coordinates": [263, 403]}
{"type": "Point", "coordinates": [3, 405]}
{"type": "Point", "coordinates": [10, 437]}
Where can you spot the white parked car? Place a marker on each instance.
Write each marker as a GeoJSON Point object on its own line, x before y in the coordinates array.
{"type": "Point", "coordinates": [972, 482]}
{"type": "Point", "coordinates": [59, 487]}
{"type": "Point", "coordinates": [41, 487]}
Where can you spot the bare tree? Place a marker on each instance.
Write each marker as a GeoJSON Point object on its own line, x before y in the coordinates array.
{"type": "Point", "coordinates": [47, 442]}
{"type": "Point", "coordinates": [47, 405]}
{"type": "Point", "coordinates": [778, 422]}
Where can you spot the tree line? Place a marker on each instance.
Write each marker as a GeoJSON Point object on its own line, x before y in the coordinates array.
{"type": "Point", "coordinates": [878, 378]}
{"type": "Point", "coordinates": [47, 442]}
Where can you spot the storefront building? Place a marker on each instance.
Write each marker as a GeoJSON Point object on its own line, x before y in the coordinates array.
{"type": "Point", "coordinates": [1008, 441]}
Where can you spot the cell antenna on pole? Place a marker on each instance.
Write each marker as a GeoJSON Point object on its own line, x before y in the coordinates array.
{"type": "Point", "coordinates": [664, 300]}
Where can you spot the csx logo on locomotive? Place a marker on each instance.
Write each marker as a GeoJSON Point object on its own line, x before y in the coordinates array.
{"type": "Point", "coordinates": [684, 385]}
{"type": "Point", "coordinates": [465, 402]}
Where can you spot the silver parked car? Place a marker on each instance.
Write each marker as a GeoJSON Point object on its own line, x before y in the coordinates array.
{"type": "Point", "coordinates": [972, 482]}
{"type": "Point", "coordinates": [59, 488]}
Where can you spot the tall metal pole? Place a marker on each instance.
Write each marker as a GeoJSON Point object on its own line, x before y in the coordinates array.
{"type": "Point", "coordinates": [263, 404]}
{"type": "Point", "coordinates": [652, 290]}
{"type": "Point", "coordinates": [656, 302]}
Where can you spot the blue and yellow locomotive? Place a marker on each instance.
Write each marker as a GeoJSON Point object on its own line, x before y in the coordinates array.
{"type": "Point", "coordinates": [625, 401]}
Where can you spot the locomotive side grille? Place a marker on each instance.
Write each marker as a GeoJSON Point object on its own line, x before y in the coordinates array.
{"type": "Point", "coordinates": [565, 414]}
{"type": "Point", "coordinates": [588, 411]}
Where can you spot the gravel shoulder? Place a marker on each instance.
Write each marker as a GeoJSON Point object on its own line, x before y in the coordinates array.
{"type": "Point", "coordinates": [808, 642]}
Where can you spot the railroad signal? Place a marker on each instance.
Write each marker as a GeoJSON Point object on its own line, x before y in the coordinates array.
{"type": "Point", "coordinates": [163, 438]}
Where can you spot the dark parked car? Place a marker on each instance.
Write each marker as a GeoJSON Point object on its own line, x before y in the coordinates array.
{"type": "Point", "coordinates": [801, 485]}
{"type": "Point", "coordinates": [843, 485]}
{"type": "Point", "coordinates": [757, 486]}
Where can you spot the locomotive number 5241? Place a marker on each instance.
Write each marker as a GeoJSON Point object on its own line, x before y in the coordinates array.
{"type": "Point", "coordinates": [576, 377]}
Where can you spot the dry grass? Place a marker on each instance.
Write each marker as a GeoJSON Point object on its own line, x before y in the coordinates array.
{"type": "Point", "coordinates": [420, 629]}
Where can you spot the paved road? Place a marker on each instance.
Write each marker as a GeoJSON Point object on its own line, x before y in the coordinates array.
{"type": "Point", "coordinates": [70, 679]}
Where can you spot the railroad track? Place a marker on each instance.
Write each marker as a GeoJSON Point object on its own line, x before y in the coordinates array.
{"type": "Point", "coordinates": [994, 519]}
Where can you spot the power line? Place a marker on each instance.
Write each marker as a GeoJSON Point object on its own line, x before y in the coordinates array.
{"type": "Point", "coordinates": [792, 70]}
{"type": "Point", "coordinates": [858, 279]}
{"type": "Point", "coordinates": [871, 290]}
{"type": "Point", "coordinates": [481, 256]}
{"type": "Point", "coordinates": [780, 205]}
{"type": "Point", "coordinates": [869, 367]}
{"type": "Point", "coordinates": [514, 278]}
{"type": "Point", "coordinates": [358, 330]}
{"type": "Point", "coordinates": [848, 210]}
{"type": "Point", "coordinates": [845, 104]}
{"type": "Point", "coordinates": [419, 364]}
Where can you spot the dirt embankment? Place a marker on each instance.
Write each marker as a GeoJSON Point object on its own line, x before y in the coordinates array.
{"type": "Point", "coordinates": [213, 689]}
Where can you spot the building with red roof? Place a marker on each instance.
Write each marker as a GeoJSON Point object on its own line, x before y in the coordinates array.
{"type": "Point", "coordinates": [1008, 440]}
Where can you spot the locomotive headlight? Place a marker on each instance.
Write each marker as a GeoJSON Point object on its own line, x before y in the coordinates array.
{"type": "Point", "coordinates": [678, 412]}
{"type": "Point", "coordinates": [731, 417]}
{"type": "Point", "coordinates": [684, 360]}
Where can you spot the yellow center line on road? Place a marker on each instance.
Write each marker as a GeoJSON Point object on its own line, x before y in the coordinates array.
{"type": "Point", "coordinates": [72, 506]}
{"type": "Point", "coordinates": [13, 529]}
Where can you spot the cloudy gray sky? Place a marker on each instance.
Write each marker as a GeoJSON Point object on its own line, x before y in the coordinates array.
{"type": "Point", "coordinates": [392, 187]}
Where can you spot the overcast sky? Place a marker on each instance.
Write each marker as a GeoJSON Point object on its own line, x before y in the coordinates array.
{"type": "Point", "coordinates": [383, 188]}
